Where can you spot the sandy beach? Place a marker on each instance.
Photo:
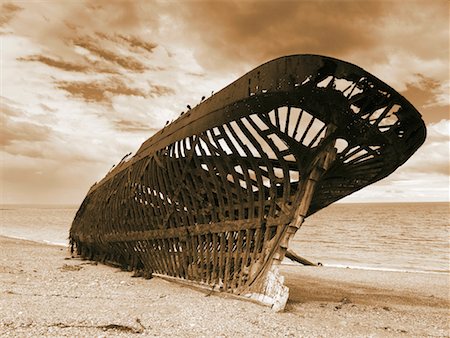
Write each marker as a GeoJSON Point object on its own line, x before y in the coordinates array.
{"type": "Point", "coordinates": [44, 292]}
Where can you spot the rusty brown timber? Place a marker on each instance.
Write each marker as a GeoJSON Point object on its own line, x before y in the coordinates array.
{"type": "Point", "coordinates": [215, 196]}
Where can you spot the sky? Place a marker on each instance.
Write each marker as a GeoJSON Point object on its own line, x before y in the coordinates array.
{"type": "Point", "coordinates": [82, 83]}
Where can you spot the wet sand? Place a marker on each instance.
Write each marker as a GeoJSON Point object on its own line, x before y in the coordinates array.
{"type": "Point", "coordinates": [43, 292]}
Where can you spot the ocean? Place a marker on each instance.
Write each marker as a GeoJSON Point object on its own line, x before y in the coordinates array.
{"type": "Point", "coordinates": [385, 236]}
{"type": "Point", "coordinates": [390, 237]}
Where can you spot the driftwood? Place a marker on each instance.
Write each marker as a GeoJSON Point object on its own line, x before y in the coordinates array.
{"type": "Point", "coordinates": [297, 258]}
{"type": "Point", "coordinates": [215, 196]}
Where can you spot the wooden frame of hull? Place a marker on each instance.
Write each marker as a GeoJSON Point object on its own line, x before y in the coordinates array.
{"type": "Point", "coordinates": [215, 197]}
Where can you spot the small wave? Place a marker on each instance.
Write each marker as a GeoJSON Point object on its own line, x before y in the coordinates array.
{"type": "Point", "coordinates": [36, 241]}
{"type": "Point", "coordinates": [17, 237]}
{"type": "Point", "coordinates": [362, 267]}
{"type": "Point", "coordinates": [371, 268]}
{"type": "Point", "coordinates": [55, 243]}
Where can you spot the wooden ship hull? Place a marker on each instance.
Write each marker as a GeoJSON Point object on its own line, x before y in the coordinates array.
{"type": "Point", "coordinates": [215, 196]}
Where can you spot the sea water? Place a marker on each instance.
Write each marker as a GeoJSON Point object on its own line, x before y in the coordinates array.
{"type": "Point", "coordinates": [41, 223]}
{"type": "Point", "coordinates": [396, 236]}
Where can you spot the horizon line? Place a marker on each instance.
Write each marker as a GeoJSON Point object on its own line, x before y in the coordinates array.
{"type": "Point", "coordinates": [338, 202]}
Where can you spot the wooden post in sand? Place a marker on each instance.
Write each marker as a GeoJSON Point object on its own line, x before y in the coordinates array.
{"type": "Point", "coordinates": [296, 258]}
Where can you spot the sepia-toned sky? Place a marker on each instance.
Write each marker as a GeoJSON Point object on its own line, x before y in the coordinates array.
{"type": "Point", "coordinates": [85, 82]}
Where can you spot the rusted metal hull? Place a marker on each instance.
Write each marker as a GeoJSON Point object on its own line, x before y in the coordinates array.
{"type": "Point", "coordinates": [215, 196]}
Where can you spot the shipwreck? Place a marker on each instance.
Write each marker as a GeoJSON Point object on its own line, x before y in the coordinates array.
{"type": "Point", "coordinates": [215, 196]}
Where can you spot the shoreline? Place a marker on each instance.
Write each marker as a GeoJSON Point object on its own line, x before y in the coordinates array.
{"type": "Point", "coordinates": [44, 292]}
{"type": "Point", "coordinates": [285, 262]}
{"type": "Point", "coordinates": [44, 242]}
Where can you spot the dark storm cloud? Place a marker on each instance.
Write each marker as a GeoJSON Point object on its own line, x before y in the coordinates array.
{"type": "Point", "coordinates": [258, 31]}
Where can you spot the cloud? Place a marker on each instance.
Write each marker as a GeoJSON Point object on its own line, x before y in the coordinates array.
{"type": "Point", "coordinates": [104, 91]}
{"type": "Point", "coordinates": [42, 181]}
{"type": "Point", "coordinates": [94, 59]}
{"type": "Point", "coordinates": [414, 27]}
{"type": "Point", "coordinates": [406, 52]}
{"type": "Point", "coordinates": [403, 69]}
{"type": "Point", "coordinates": [133, 126]}
{"type": "Point", "coordinates": [126, 62]}
{"type": "Point", "coordinates": [429, 98]}
{"type": "Point", "coordinates": [245, 33]}
{"type": "Point", "coordinates": [441, 97]}
{"type": "Point", "coordinates": [133, 42]}
{"type": "Point", "coordinates": [60, 64]}
{"type": "Point", "coordinates": [414, 187]}
{"type": "Point", "coordinates": [90, 81]}
{"type": "Point", "coordinates": [108, 37]}
{"type": "Point", "coordinates": [84, 144]}
{"type": "Point", "coordinates": [8, 10]}
{"type": "Point", "coordinates": [44, 133]}
{"type": "Point", "coordinates": [9, 109]}
{"type": "Point", "coordinates": [158, 90]}
{"type": "Point", "coordinates": [47, 108]}
{"type": "Point", "coordinates": [425, 177]}
{"type": "Point", "coordinates": [16, 131]}
{"type": "Point", "coordinates": [16, 128]}
{"type": "Point", "coordinates": [433, 156]}
{"type": "Point", "coordinates": [99, 91]}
